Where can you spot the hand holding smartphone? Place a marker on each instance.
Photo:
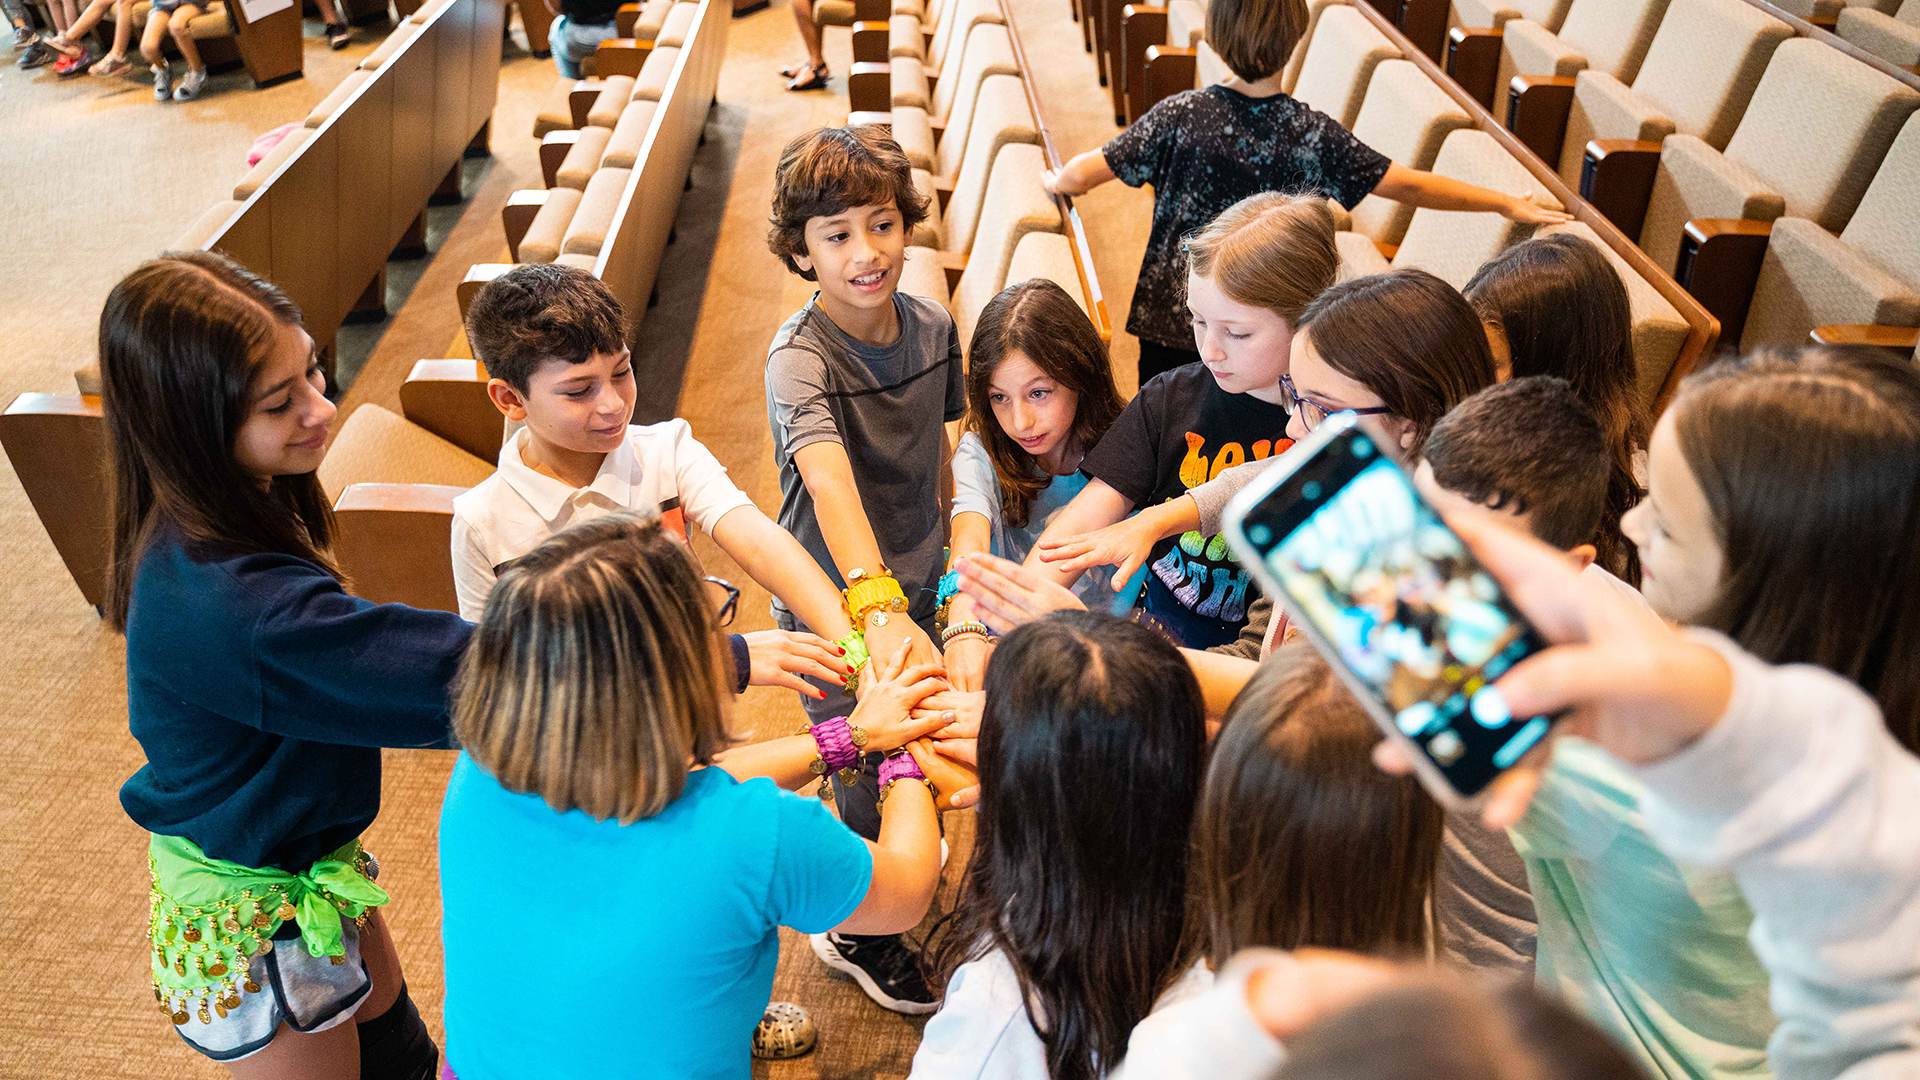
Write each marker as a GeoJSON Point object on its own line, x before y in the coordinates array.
{"type": "Point", "coordinates": [1336, 533]}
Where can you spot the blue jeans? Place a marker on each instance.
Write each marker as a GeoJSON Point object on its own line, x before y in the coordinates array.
{"type": "Point", "coordinates": [571, 44]}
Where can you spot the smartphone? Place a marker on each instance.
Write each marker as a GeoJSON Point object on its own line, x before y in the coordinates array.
{"type": "Point", "coordinates": [1336, 533]}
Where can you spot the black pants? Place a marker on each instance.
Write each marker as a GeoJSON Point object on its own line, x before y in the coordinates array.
{"type": "Point", "coordinates": [1155, 359]}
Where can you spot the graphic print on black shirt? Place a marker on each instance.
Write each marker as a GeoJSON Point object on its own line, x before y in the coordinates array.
{"type": "Point", "coordinates": [1203, 151]}
{"type": "Point", "coordinates": [1179, 432]}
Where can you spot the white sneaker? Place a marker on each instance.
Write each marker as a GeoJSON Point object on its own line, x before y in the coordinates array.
{"type": "Point", "coordinates": [190, 85]}
{"type": "Point", "coordinates": [163, 82]}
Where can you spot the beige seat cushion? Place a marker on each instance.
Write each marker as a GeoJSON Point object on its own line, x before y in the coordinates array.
{"type": "Point", "coordinates": [1046, 255]}
{"type": "Point", "coordinates": [1527, 48]}
{"type": "Point", "coordinates": [1358, 255]}
{"type": "Point", "coordinates": [1604, 108]}
{"type": "Point", "coordinates": [1186, 23]}
{"type": "Point", "coordinates": [1659, 331]}
{"type": "Point", "coordinates": [1704, 63]}
{"type": "Point", "coordinates": [913, 130]}
{"type": "Point", "coordinates": [579, 262]}
{"type": "Point", "coordinates": [1497, 13]}
{"type": "Point", "coordinates": [211, 23]}
{"type": "Point", "coordinates": [330, 104]}
{"type": "Point", "coordinates": [679, 23]}
{"type": "Point", "coordinates": [376, 446]}
{"type": "Point", "coordinates": [922, 276]}
{"type": "Point", "coordinates": [583, 160]}
{"type": "Point", "coordinates": [1405, 117]}
{"type": "Point", "coordinates": [927, 233]}
{"type": "Point", "coordinates": [614, 95]}
{"type": "Point", "coordinates": [1291, 73]}
{"type": "Point", "coordinates": [205, 226]}
{"type": "Point", "coordinates": [548, 232]}
{"type": "Point", "coordinates": [278, 156]}
{"type": "Point", "coordinates": [1886, 227]}
{"type": "Point", "coordinates": [1452, 244]}
{"type": "Point", "coordinates": [1340, 62]}
{"type": "Point", "coordinates": [1812, 278]}
{"type": "Point", "coordinates": [957, 18]}
{"type": "Point", "coordinates": [908, 79]}
{"type": "Point", "coordinates": [1696, 181]}
{"type": "Point", "coordinates": [1893, 40]}
{"type": "Point", "coordinates": [384, 51]}
{"type": "Point", "coordinates": [653, 15]}
{"type": "Point", "coordinates": [598, 204]}
{"type": "Point", "coordinates": [1824, 11]}
{"type": "Point", "coordinates": [1016, 205]}
{"type": "Point", "coordinates": [629, 135]}
{"type": "Point", "coordinates": [655, 73]}
{"type": "Point", "coordinates": [989, 52]}
{"type": "Point", "coordinates": [1002, 117]}
{"type": "Point", "coordinates": [906, 37]}
{"type": "Point", "coordinates": [556, 112]}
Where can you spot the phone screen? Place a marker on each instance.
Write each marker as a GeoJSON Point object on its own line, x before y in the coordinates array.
{"type": "Point", "coordinates": [1402, 604]}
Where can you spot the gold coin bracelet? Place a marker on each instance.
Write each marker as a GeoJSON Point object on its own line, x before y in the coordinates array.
{"type": "Point", "coordinates": [839, 744]}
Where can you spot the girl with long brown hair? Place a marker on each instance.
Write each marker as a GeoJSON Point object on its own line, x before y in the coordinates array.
{"type": "Point", "coordinates": [260, 691]}
{"type": "Point", "coordinates": [1040, 394]}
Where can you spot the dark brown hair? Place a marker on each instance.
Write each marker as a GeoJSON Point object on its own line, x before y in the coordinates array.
{"type": "Point", "coordinates": [1299, 839]}
{"type": "Point", "coordinates": [181, 339]}
{"type": "Point", "coordinates": [539, 312]}
{"type": "Point", "coordinates": [1811, 465]}
{"type": "Point", "coordinates": [1527, 446]}
{"type": "Point", "coordinates": [827, 171]}
{"type": "Point", "coordinates": [1442, 1026]}
{"type": "Point", "coordinates": [1407, 336]}
{"type": "Point", "coordinates": [1037, 319]}
{"type": "Point", "coordinates": [1564, 311]}
{"type": "Point", "coordinates": [1091, 746]}
{"type": "Point", "coordinates": [594, 677]}
{"type": "Point", "coordinates": [1255, 37]}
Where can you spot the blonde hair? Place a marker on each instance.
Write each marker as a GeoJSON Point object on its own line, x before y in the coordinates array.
{"type": "Point", "coordinates": [594, 679]}
{"type": "Point", "coordinates": [1270, 251]}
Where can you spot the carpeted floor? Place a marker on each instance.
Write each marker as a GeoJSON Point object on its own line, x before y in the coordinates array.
{"type": "Point", "coordinates": [100, 177]}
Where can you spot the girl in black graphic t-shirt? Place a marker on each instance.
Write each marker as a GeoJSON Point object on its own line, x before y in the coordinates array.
{"type": "Point", "coordinates": [1204, 150]}
{"type": "Point", "coordinates": [1253, 271]}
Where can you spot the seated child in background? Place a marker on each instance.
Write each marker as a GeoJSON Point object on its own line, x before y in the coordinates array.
{"type": "Point", "coordinates": [1204, 150]}
{"type": "Point", "coordinates": [175, 17]}
{"type": "Point", "coordinates": [552, 341]}
{"type": "Point", "coordinates": [859, 385]}
{"type": "Point", "coordinates": [1040, 394]}
{"type": "Point", "coordinates": [607, 866]}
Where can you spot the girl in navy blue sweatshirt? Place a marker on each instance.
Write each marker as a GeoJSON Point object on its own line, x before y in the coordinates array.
{"type": "Point", "coordinates": [260, 691]}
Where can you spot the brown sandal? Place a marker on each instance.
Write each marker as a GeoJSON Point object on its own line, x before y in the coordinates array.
{"type": "Point", "coordinates": [816, 79]}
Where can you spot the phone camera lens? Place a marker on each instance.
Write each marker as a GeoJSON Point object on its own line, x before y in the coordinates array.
{"type": "Point", "coordinates": [1260, 534]}
{"type": "Point", "coordinates": [1362, 448]}
{"type": "Point", "coordinates": [1310, 489]}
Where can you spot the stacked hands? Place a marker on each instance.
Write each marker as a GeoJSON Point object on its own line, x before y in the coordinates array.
{"type": "Point", "coordinates": [903, 704]}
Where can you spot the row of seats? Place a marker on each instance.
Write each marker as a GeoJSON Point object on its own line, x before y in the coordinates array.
{"type": "Point", "coordinates": [319, 217]}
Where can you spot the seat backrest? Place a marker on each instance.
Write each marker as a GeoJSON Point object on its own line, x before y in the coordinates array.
{"type": "Point", "coordinates": [1452, 244]}
{"type": "Point", "coordinates": [394, 542]}
{"type": "Point", "coordinates": [988, 52]}
{"type": "Point", "coordinates": [954, 77]}
{"type": "Point", "coordinates": [1405, 117]}
{"type": "Point", "coordinates": [1016, 205]}
{"type": "Point", "coordinates": [1046, 255]}
{"type": "Point", "coordinates": [1886, 227]}
{"type": "Point", "coordinates": [1819, 123]}
{"type": "Point", "coordinates": [1659, 331]}
{"type": "Point", "coordinates": [1704, 63]}
{"type": "Point", "coordinates": [1613, 35]}
{"type": "Point", "coordinates": [1340, 61]}
{"type": "Point", "coordinates": [960, 17]}
{"type": "Point", "coordinates": [1208, 67]}
{"type": "Point", "coordinates": [1290, 75]}
{"type": "Point", "coordinates": [1000, 117]}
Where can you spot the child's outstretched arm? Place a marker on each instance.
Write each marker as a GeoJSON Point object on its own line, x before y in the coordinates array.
{"type": "Point", "coordinates": [1079, 176]}
{"type": "Point", "coordinates": [771, 556]}
{"type": "Point", "coordinates": [1435, 192]}
{"type": "Point", "coordinates": [1096, 507]}
{"type": "Point", "coordinates": [828, 474]}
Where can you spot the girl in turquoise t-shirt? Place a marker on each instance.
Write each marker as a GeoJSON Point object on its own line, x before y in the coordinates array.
{"type": "Point", "coordinates": [613, 878]}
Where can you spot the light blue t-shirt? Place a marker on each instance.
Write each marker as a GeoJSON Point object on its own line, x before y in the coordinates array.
{"type": "Point", "coordinates": [579, 948]}
{"type": "Point", "coordinates": [976, 490]}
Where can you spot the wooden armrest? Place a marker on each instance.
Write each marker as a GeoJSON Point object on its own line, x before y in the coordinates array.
{"type": "Point", "coordinates": [870, 87]}
{"type": "Point", "coordinates": [450, 399]}
{"type": "Point", "coordinates": [1537, 108]}
{"type": "Point", "coordinates": [477, 275]}
{"type": "Point", "coordinates": [621, 56]}
{"type": "Point", "coordinates": [872, 11]}
{"type": "Point", "coordinates": [554, 147]}
{"type": "Point", "coordinates": [1169, 70]}
{"type": "Point", "coordinates": [56, 444]}
{"type": "Point", "coordinates": [1616, 176]}
{"type": "Point", "coordinates": [1141, 27]}
{"type": "Point", "coordinates": [942, 193]}
{"type": "Point", "coordinates": [884, 119]}
{"type": "Point", "coordinates": [1473, 59]}
{"type": "Point", "coordinates": [517, 217]}
{"type": "Point", "coordinates": [625, 18]}
{"type": "Point", "coordinates": [1719, 264]}
{"type": "Point", "coordinates": [581, 98]}
{"type": "Point", "coordinates": [953, 264]}
{"type": "Point", "coordinates": [1903, 339]}
{"type": "Point", "coordinates": [1425, 24]}
{"type": "Point", "coordinates": [394, 543]}
{"type": "Point", "coordinates": [1387, 250]}
{"type": "Point", "coordinates": [871, 41]}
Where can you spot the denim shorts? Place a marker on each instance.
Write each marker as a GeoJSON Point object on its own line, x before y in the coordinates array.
{"type": "Point", "coordinates": [571, 43]}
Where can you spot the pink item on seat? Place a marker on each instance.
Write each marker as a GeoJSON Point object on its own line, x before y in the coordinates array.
{"type": "Point", "coordinates": [264, 145]}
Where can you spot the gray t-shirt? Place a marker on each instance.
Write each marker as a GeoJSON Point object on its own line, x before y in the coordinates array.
{"type": "Point", "coordinates": [885, 405]}
{"type": "Point", "coordinates": [1482, 900]}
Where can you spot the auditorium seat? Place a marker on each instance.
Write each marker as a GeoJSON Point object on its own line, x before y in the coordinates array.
{"type": "Point", "coordinates": [1659, 331]}
{"type": "Point", "coordinates": [1290, 75]}
{"type": "Point", "coordinates": [449, 398]}
{"type": "Point", "coordinates": [1406, 117]}
{"type": "Point", "coordinates": [1000, 119]}
{"type": "Point", "coordinates": [1476, 31]}
{"type": "Point", "coordinates": [1605, 35]}
{"type": "Point", "coordinates": [337, 97]}
{"type": "Point", "coordinates": [376, 446]}
{"type": "Point", "coordinates": [1016, 204]}
{"type": "Point", "coordinates": [269, 164]}
{"type": "Point", "coordinates": [1868, 274]}
{"type": "Point", "coordinates": [556, 111]}
{"type": "Point", "coordinates": [629, 135]}
{"type": "Point", "coordinates": [385, 51]}
{"type": "Point", "coordinates": [1046, 255]}
{"type": "Point", "coordinates": [987, 53]}
{"type": "Point", "coordinates": [393, 543]}
{"type": "Point", "coordinates": [1893, 37]}
{"type": "Point", "coordinates": [909, 79]}
{"type": "Point", "coordinates": [582, 156]}
{"type": "Point", "coordinates": [1339, 63]}
{"type": "Point", "coordinates": [540, 220]}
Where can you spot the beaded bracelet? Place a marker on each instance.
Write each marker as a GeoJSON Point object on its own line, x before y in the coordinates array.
{"type": "Point", "coordinates": [839, 743]}
{"type": "Point", "coordinates": [898, 766]}
{"type": "Point", "coordinates": [963, 629]}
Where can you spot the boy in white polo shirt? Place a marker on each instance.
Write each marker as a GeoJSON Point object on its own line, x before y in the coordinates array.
{"type": "Point", "coordinates": [552, 341]}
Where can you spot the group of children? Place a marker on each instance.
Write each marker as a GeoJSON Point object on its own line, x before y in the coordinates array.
{"type": "Point", "coordinates": [69, 47]}
{"type": "Point", "coordinates": [1187, 860]}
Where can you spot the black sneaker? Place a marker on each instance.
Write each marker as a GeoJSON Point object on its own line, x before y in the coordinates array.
{"type": "Point", "coordinates": [884, 967]}
{"type": "Point", "coordinates": [338, 35]}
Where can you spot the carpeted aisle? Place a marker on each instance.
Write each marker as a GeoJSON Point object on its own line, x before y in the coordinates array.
{"type": "Point", "coordinates": [88, 202]}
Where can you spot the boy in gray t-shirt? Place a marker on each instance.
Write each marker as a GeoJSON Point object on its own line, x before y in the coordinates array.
{"type": "Point", "coordinates": [865, 390]}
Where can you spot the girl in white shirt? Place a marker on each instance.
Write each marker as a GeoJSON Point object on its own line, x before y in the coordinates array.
{"type": "Point", "coordinates": [1067, 928]}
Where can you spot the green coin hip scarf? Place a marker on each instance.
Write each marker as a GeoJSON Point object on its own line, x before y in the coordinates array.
{"type": "Point", "coordinates": [210, 917]}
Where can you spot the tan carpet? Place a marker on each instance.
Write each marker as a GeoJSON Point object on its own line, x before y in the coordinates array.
{"type": "Point", "coordinates": [88, 202]}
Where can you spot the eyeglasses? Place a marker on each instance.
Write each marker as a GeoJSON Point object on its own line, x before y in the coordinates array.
{"type": "Point", "coordinates": [731, 605]}
{"type": "Point", "coordinates": [1312, 412]}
